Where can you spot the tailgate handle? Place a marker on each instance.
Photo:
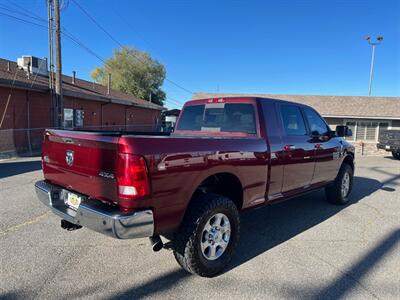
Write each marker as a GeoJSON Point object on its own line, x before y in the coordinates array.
{"type": "Point", "coordinates": [68, 141]}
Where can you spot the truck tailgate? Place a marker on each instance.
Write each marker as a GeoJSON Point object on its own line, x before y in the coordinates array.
{"type": "Point", "coordinates": [390, 137]}
{"type": "Point", "coordinates": [82, 161]}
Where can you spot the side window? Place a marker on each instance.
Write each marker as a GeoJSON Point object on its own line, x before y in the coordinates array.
{"type": "Point", "coordinates": [317, 124]}
{"type": "Point", "coordinates": [191, 118]}
{"type": "Point", "coordinates": [293, 122]}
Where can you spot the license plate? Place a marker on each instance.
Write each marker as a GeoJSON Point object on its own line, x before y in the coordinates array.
{"type": "Point", "coordinates": [387, 147]}
{"type": "Point", "coordinates": [73, 201]}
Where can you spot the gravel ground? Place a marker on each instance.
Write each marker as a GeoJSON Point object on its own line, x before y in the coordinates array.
{"type": "Point", "coordinates": [303, 248]}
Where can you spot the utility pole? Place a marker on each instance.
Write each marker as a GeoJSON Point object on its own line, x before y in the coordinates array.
{"type": "Point", "coordinates": [59, 96]}
{"type": "Point", "coordinates": [50, 62]}
{"type": "Point", "coordinates": [379, 39]}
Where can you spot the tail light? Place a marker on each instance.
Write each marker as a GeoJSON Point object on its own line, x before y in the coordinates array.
{"type": "Point", "coordinates": [132, 177]}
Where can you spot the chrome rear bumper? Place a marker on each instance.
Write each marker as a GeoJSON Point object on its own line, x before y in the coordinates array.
{"type": "Point", "coordinates": [97, 216]}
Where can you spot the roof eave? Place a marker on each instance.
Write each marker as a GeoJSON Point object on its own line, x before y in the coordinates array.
{"type": "Point", "coordinates": [110, 100]}
{"type": "Point", "coordinates": [361, 117]}
{"type": "Point", "coordinates": [22, 85]}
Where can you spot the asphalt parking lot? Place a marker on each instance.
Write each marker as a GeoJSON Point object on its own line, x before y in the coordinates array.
{"type": "Point", "coordinates": [303, 248]}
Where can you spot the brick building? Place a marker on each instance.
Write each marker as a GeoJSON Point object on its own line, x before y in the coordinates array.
{"type": "Point", "coordinates": [29, 110]}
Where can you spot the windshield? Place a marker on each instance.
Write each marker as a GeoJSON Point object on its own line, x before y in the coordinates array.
{"type": "Point", "coordinates": [219, 117]}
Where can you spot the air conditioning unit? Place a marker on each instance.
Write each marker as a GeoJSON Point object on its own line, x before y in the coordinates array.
{"type": "Point", "coordinates": [33, 65]}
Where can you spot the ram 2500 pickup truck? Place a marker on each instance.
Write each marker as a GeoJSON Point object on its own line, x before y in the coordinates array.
{"type": "Point", "coordinates": [226, 155]}
{"type": "Point", "coordinates": [389, 140]}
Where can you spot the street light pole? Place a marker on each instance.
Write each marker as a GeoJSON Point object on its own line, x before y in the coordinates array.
{"type": "Point", "coordinates": [379, 39]}
{"type": "Point", "coordinates": [371, 70]}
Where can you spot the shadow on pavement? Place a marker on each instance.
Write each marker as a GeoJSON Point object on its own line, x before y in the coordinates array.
{"type": "Point", "coordinates": [19, 167]}
{"type": "Point", "coordinates": [347, 280]}
{"type": "Point", "coordinates": [157, 285]}
{"type": "Point", "coordinates": [267, 227]}
{"type": "Point", "coordinates": [391, 157]}
{"type": "Point", "coordinates": [14, 295]}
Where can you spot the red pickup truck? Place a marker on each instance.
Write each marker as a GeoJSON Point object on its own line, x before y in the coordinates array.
{"type": "Point", "coordinates": [226, 155]}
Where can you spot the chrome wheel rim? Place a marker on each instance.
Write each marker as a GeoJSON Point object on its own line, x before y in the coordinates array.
{"type": "Point", "coordinates": [215, 236]}
{"type": "Point", "coordinates": [345, 184]}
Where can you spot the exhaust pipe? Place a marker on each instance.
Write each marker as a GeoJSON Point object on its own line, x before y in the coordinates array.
{"type": "Point", "coordinates": [156, 243]}
{"type": "Point", "coordinates": [69, 226]}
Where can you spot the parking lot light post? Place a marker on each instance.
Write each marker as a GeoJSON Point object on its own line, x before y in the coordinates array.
{"type": "Point", "coordinates": [379, 39]}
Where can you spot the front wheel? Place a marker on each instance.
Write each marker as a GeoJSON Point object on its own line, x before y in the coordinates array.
{"type": "Point", "coordinates": [208, 236]}
{"type": "Point", "coordinates": [338, 192]}
{"type": "Point", "coordinates": [396, 154]}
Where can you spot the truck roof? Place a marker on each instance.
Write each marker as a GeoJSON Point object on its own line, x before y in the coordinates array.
{"type": "Point", "coordinates": [239, 99]}
{"type": "Point", "coordinates": [222, 100]}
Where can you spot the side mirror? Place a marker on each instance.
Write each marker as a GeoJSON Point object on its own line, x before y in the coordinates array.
{"type": "Point", "coordinates": [343, 131]}
{"type": "Point", "coordinates": [315, 134]}
{"type": "Point", "coordinates": [349, 132]}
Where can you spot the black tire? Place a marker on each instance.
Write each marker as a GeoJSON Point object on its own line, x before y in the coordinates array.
{"type": "Point", "coordinates": [188, 239]}
{"type": "Point", "coordinates": [334, 192]}
{"type": "Point", "coordinates": [396, 154]}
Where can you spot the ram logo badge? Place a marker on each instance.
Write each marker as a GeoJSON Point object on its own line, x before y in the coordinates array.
{"type": "Point", "coordinates": [69, 157]}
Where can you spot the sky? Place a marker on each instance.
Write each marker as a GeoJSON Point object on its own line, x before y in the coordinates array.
{"type": "Point", "coordinates": [275, 47]}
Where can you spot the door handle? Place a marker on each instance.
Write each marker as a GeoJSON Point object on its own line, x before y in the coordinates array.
{"type": "Point", "coordinates": [319, 146]}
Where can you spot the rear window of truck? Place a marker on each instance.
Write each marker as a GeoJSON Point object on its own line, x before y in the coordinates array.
{"type": "Point", "coordinates": [219, 117]}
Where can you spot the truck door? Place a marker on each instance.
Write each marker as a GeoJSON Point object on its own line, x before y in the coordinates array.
{"type": "Point", "coordinates": [274, 138]}
{"type": "Point", "coordinates": [298, 150]}
{"type": "Point", "coordinates": [328, 149]}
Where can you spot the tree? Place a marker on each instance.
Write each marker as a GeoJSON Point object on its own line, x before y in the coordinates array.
{"type": "Point", "coordinates": [133, 72]}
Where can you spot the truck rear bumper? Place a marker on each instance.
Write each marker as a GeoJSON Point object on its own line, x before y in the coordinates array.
{"type": "Point", "coordinates": [383, 146]}
{"type": "Point", "coordinates": [97, 216]}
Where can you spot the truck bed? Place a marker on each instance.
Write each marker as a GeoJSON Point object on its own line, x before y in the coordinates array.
{"type": "Point", "coordinates": [176, 165]}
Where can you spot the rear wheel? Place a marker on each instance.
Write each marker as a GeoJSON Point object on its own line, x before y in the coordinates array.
{"type": "Point", "coordinates": [396, 154]}
{"type": "Point", "coordinates": [338, 193]}
{"type": "Point", "coordinates": [208, 236]}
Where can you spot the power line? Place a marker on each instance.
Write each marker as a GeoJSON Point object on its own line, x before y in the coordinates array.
{"type": "Point", "coordinates": [179, 86]}
{"type": "Point", "coordinates": [97, 24]}
{"type": "Point", "coordinates": [83, 46]}
{"type": "Point", "coordinates": [177, 101]}
{"type": "Point", "coordinates": [23, 20]}
{"type": "Point", "coordinates": [12, 88]}
{"type": "Point", "coordinates": [9, 97]}
{"type": "Point", "coordinates": [120, 44]}
{"type": "Point", "coordinates": [6, 8]}
{"type": "Point", "coordinates": [79, 43]}
{"type": "Point", "coordinates": [121, 17]}
{"type": "Point", "coordinates": [28, 12]}
{"type": "Point", "coordinates": [66, 33]}
{"type": "Point", "coordinates": [173, 101]}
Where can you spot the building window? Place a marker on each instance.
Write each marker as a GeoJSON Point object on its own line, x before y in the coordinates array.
{"type": "Point", "coordinates": [365, 130]}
